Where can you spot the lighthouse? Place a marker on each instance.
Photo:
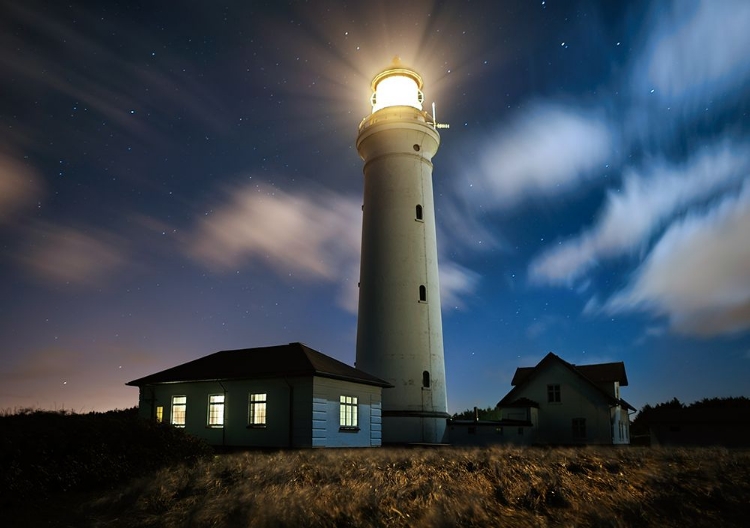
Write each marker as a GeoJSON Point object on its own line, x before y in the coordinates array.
{"type": "Point", "coordinates": [399, 326]}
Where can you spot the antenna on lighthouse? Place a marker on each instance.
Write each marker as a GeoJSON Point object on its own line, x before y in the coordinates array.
{"type": "Point", "coordinates": [435, 123]}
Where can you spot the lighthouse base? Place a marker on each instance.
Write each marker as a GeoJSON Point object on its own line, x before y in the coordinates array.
{"type": "Point", "coordinates": [409, 427]}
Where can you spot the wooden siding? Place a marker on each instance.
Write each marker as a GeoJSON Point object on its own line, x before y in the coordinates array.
{"type": "Point", "coordinates": [325, 414]}
{"type": "Point", "coordinates": [376, 420]}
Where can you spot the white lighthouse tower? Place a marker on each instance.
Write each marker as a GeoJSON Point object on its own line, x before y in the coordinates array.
{"type": "Point", "coordinates": [399, 329]}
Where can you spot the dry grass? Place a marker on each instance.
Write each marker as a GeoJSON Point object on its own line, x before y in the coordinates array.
{"type": "Point", "coordinates": [442, 487]}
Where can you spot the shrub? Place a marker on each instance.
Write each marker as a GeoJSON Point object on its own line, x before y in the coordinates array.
{"type": "Point", "coordinates": [44, 451]}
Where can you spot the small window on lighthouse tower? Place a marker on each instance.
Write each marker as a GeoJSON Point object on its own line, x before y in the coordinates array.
{"type": "Point", "coordinates": [426, 379]}
{"type": "Point", "coordinates": [419, 212]}
{"type": "Point", "coordinates": [422, 293]}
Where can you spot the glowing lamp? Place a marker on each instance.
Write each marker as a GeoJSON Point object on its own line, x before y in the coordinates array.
{"type": "Point", "coordinates": [397, 87]}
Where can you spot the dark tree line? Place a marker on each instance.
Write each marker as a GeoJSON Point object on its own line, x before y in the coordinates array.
{"type": "Point", "coordinates": [488, 413]}
{"type": "Point", "coordinates": [640, 424]}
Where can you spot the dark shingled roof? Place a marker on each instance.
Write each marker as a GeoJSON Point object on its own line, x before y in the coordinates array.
{"type": "Point", "coordinates": [294, 359]}
{"type": "Point", "coordinates": [593, 374]}
{"type": "Point", "coordinates": [599, 373]}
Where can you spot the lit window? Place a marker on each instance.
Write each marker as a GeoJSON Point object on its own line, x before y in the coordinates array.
{"type": "Point", "coordinates": [348, 412]}
{"type": "Point", "coordinates": [256, 409]}
{"type": "Point", "coordinates": [553, 393]}
{"type": "Point", "coordinates": [216, 410]}
{"type": "Point", "coordinates": [159, 414]}
{"type": "Point", "coordinates": [579, 428]}
{"type": "Point", "coordinates": [422, 293]}
{"type": "Point", "coordinates": [179, 408]}
{"type": "Point", "coordinates": [419, 212]}
{"type": "Point", "coordinates": [426, 379]}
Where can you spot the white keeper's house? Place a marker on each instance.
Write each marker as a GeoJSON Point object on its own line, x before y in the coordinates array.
{"type": "Point", "coordinates": [568, 404]}
{"type": "Point", "coordinates": [278, 396]}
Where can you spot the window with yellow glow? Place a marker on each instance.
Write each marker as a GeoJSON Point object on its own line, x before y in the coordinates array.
{"type": "Point", "coordinates": [159, 414]}
{"type": "Point", "coordinates": [348, 412]}
{"type": "Point", "coordinates": [216, 410]}
{"type": "Point", "coordinates": [179, 410]}
{"type": "Point", "coordinates": [256, 409]}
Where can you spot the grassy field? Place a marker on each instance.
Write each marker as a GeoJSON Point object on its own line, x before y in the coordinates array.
{"type": "Point", "coordinates": [440, 487]}
{"type": "Point", "coordinates": [117, 470]}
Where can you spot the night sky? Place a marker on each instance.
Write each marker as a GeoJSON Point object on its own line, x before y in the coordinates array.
{"type": "Point", "coordinates": [178, 178]}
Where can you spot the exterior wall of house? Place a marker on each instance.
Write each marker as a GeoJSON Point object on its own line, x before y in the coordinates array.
{"type": "Point", "coordinates": [326, 406]}
{"type": "Point", "coordinates": [286, 426]}
{"type": "Point", "coordinates": [620, 426]}
{"type": "Point", "coordinates": [300, 412]}
{"type": "Point", "coordinates": [578, 400]}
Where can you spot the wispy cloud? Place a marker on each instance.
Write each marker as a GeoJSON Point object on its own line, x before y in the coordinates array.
{"type": "Point", "coordinates": [542, 326]}
{"type": "Point", "coordinates": [651, 332]}
{"type": "Point", "coordinates": [698, 274]}
{"type": "Point", "coordinates": [311, 235]}
{"type": "Point", "coordinates": [20, 186]}
{"type": "Point", "coordinates": [547, 149]}
{"type": "Point", "coordinates": [66, 255]}
{"type": "Point", "coordinates": [693, 59]}
{"type": "Point", "coordinates": [695, 49]}
{"type": "Point", "coordinates": [456, 284]}
{"type": "Point", "coordinates": [648, 199]}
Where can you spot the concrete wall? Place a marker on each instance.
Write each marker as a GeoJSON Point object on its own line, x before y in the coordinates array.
{"type": "Point", "coordinates": [399, 336]}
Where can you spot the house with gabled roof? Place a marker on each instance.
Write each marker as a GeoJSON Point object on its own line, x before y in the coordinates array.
{"type": "Point", "coordinates": [277, 396]}
{"type": "Point", "coordinates": [570, 404]}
